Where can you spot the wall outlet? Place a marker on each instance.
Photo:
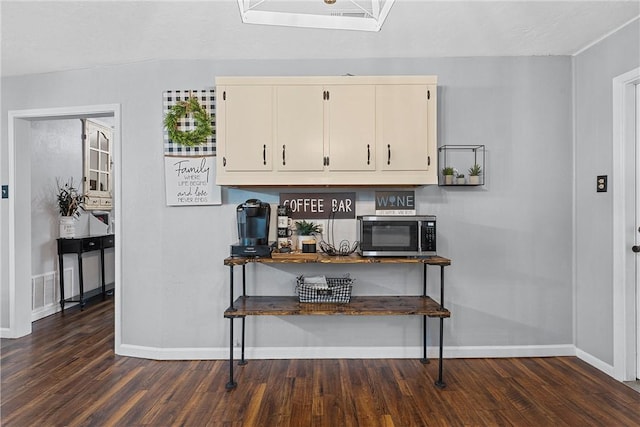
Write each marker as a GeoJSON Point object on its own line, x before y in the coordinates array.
{"type": "Point", "coordinates": [601, 184]}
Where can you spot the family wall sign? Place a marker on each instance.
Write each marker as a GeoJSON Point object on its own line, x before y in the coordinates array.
{"type": "Point", "coordinates": [190, 170]}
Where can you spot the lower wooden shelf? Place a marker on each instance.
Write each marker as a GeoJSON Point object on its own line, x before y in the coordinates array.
{"type": "Point", "coordinates": [359, 306]}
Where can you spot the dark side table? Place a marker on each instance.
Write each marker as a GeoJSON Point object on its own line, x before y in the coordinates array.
{"type": "Point", "coordinates": [80, 245]}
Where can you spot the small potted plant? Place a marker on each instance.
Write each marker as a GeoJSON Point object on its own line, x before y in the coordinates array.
{"type": "Point", "coordinates": [474, 174]}
{"type": "Point", "coordinates": [70, 203]}
{"type": "Point", "coordinates": [448, 172]}
{"type": "Point", "coordinates": [306, 231]}
{"type": "Point", "coordinates": [460, 179]}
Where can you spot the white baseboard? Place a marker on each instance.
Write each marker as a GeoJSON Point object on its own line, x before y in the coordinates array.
{"type": "Point", "coordinates": [5, 333]}
{"type": "Point", "coordinates": [595, 362]}
{"type": "Point", "coordinates": [468, 352]}
{"type": "Point", "coordinates": [45, 311]}
{"type": "Point", "coordinates": [157, 353]}
{"type": "Point", "coordinates": [414, 352]}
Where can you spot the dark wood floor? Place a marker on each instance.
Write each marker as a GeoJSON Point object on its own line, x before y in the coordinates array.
{"type": "Point", "coordinates": [65, 374]}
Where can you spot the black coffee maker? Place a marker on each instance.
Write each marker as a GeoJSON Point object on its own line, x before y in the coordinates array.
{"type": "Point", "coordinates": [253, 229]}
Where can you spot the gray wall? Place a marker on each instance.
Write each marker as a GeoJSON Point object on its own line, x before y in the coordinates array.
{"type": "Point", "coordinates": [510, 282]}
{"type": "Point", "coordinates": [594, 72]}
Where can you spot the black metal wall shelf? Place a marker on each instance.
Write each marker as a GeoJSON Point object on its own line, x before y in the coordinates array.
{"type": "Point", "coordinates": [461, 158]}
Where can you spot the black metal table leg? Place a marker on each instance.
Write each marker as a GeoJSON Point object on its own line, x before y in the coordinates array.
{"type": "Point", "coordinates": [61, 267]}
{"type": "Point", "coordinates": [231, 384]}
{"type": "Point", "coordinates": [244, 280]}
{"type": "Point", "coordinates": [440, 383]}
{"type": "Point", "coordinates": [104, 285]}
{"type": "Point", "coordinates": [81, 281]}
{"type": "Point", "coordinates": [424, 359]}
{"type": "Point", "coordinates": [231, 307]}
{"type": "Point", "coordinates": [242, 361]}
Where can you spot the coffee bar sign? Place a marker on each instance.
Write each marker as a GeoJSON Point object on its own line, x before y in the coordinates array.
{"type": "Point", "coordinates": [320, 205]}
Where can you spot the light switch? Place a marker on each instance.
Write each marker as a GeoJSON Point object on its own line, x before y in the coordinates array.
{"type": "Point", "coordinates": [601, 184]}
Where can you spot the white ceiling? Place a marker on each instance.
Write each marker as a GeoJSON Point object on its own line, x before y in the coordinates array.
{"type": "Point", "coordinates": [45, 36]}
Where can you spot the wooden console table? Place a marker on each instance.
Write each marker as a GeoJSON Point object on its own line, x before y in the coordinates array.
{"type": "Point", "coordinates": [358, 306]}
{"type": "Point", "coordinates": [80, 245]}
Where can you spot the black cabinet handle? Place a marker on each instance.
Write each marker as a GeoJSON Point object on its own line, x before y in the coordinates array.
{"type": "Point", "coordinates": [264, 154]}
{"type": "Point", "coordinates": [635, 249]}
{"type": "Point", "coordinates": [224, 161]}
{"type": "Point", "coordinates": [388, 154]}
{"type": "Point", "coordinates": [368, 154]}
{"type": "Point", "coordinates": [284, 160]}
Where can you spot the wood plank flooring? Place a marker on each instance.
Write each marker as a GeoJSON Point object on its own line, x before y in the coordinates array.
{"type": "Point", "coordinates": [66, 374]}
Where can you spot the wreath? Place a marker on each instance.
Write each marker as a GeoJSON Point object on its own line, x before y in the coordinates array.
{"type": "Point", "coordinates": [202, 120]}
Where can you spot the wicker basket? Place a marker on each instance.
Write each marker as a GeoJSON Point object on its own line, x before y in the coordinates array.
{"type": "Point", "coordinates": [338, 290]}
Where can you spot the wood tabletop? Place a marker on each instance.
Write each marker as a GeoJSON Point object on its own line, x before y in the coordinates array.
{"type": "Point", "coordinates": [358, 306]}
{"type": "Point", "coordinates": [293, 258]}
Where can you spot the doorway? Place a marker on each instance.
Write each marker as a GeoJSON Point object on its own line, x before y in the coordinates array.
{"type": "Point", "coordinates": [626, 195]}
{"type": "Point", "coordinates": [19, 239]}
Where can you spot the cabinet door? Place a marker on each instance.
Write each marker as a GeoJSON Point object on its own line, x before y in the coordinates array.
{"type": "Point", "coordinates": [97, 164]}
{"type": "Point", "coordinates": [404, 140]}
{"type": "Point", "coordinates": [246, 140]}
{"type": "Point", "coordinates": [299, 128]}
{"type": "Point", "coordinates": [350, 113]}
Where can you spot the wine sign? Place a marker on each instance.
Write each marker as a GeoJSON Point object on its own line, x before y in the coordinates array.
{"type": "Point", "coordinates": [395, 203]}
{"type": "Point", "coordinates": [191, 181]}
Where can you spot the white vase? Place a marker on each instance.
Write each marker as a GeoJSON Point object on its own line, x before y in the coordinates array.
{"type": "Point", "coordinates": [448, 179]}
{"type": "Point", "coordinates": [460, 181]}
{"type": "Point", "coordinates": [474, 179]}
{"type": "Point", "coordinates": [67, 227]}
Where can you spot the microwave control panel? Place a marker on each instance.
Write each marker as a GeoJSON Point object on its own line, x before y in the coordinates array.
{"type": "Point", "coordinates": [428, 231]}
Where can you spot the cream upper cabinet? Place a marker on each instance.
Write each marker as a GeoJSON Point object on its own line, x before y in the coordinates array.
{"type": "Point", "coordinates": [244, 120]}
{"type": "Point", "coordinates": [299, 140]}
{"type": "Point", "coordinates": [335, 130]}
{"type": "Point", "coordinates": [325, 128]}
{"type": "Point", "coordinates": [350, 127]}
{"type": "Point", "coordinates": [97, 145]}
{"type": "Point", "coordinates": [405, 127]}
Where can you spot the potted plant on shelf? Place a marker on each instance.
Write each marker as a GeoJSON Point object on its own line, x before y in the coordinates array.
{"type": "Point", "coordinates": [306, 231]}
{"type": "Point", "coordinates": [70, 202]}
{"type": "Point", "coordinates": [460, 179]}
{"type": "Point", "coordinates": [448, 172]}
{"type": "Point", "coordinates": [474, 174]}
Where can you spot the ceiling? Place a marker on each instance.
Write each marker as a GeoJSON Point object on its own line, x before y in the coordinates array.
{"type": "Point", "coordinates": [46, 36]}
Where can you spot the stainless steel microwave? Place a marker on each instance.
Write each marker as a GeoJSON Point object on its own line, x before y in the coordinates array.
{"type": "Point", "coordinates": [397, 235]}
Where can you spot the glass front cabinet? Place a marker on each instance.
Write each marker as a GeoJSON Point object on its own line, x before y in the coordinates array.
{"type": "Point", "coordinates": [97, 143]}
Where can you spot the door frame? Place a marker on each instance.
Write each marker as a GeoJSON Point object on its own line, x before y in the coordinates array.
{"type": "Point", "coordinates": [623, 171]}
{"type": "Point", "coordinates": [19, 255]}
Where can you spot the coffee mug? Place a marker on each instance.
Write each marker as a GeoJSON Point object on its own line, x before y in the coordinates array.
{"type": "Point", "coordinates": [284, 242]}
{"type": "Point", "coordinates": [284, 232]}
{"type": "Point", "coordinates": [283, 210]}
{"type": "Point", "coordinates": [284, 222]}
